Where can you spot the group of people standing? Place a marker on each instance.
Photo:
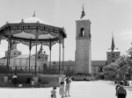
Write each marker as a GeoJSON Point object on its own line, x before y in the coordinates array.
{"type": "Point", "coordinates": [64, 88]}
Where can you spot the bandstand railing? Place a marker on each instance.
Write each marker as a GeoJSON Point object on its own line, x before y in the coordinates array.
{"type": "Point", "coordinates": [21, 69]}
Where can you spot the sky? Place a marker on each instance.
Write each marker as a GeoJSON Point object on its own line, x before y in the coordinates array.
{"type": "Point", "coordinates": [106, 16]}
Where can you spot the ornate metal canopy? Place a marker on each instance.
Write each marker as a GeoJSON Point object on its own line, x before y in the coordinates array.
{"type": "Point", "coordinates": [31, 29]}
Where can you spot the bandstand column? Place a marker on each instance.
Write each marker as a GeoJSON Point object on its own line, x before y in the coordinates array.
{"type": "Point", "coordinates": [30, 46]}
{"type": "Point", "coordinates": [59, 56]}
{"type": "Point", "coordinates": [8, 52]}
{"type": "Point", "coordinates": [50, 46]}
{"type": "Point", "coordinates": [36, 54]}
{"type": "Point", "coordinates": [63, 47]}
{"type": "Point", "coordinates": [29, 59]}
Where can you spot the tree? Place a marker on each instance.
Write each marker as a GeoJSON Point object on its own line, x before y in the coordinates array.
{"type": "Point", "coordinates": [121, 68]}
{"type": "Point", "coordinates": [110, 71]}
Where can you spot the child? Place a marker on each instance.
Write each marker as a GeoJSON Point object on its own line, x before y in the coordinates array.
{"type": "Point", "coordinates": [51, 96]}
{"type": "Point", "coordinates": [53, 93]}
{"type": "Point", "coordinates": [61, 91]}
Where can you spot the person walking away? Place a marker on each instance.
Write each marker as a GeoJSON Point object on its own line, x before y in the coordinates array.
{"type": "Point", "coordinates": [61, 90]}
{"type": "Point", "coordinates": [67, 87]}
{"type": "Point", "coordinates": [117, 86]}
{"type": "Point", "coordinates": [53, 92]}
{"type": "Point", "coordinates": [121, 91]}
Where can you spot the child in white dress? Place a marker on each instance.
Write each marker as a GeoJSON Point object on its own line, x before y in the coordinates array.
{"type": "Point", "coordinates": [61, 91]}
{"type": "Point", "coordinates": [53, 92]}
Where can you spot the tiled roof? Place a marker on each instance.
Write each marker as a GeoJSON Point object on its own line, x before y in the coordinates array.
{"type": "Point", "coordinates": [99, 62]}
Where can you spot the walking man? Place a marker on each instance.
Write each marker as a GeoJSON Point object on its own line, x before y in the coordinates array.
{"type": "Point", "coordinates": [121, 92]}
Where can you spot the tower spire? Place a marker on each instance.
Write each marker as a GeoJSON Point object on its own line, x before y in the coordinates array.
{"type": "Point", "coordinates": [83, 12]}
{"type": "Point", "coordinates": [112, 44]}
{"type": "Point", "coordinates": [34, 14]}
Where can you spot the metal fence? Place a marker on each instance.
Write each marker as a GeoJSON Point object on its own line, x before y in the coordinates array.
{"type": "Point", "coordinates": [21, 69]}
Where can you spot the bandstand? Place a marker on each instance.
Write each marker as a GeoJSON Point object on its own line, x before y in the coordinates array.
{"type": "Point", "coordinates": [33, 32]}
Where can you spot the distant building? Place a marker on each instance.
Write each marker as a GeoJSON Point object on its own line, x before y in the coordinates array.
{"type": "Point", "coordinates": [14, 52]}
{"type": "Point", "coordinates": [97, 65]}
{"type": "Point", "coordinates": [22, 61]}
{"type": "Point", "coordinates": [112, 55]}
{"type": "Point", "coordinates": [83, 63]}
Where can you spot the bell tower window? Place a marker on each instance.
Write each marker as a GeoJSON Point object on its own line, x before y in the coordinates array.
{"type": "Point", "coordinates": [82, 32]}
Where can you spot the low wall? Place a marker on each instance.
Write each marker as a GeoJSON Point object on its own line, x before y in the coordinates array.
{"type": "Point", "coordinates": [47, 80]}
{"type": "Point", "coordinates": [50, 80]}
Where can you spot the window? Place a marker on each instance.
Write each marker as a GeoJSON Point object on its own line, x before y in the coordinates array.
{"type": "Point", "coordinates": [113, 60]}
{"type": "Point", "coordinates": [113, 55]}
{"type": "Point", "coordinates": [46, 58]}
{"type": "Point", "coordinates": [82, 32]}
{"type": "Point", "coordinates": [38, 57]}
{"type": "Point", "coordinates": [14, 53]}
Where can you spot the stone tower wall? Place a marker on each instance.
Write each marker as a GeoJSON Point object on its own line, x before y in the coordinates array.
{"type": "Point", "coordinates": [112, 56]}
{"type": "Point", "coordinates": [83, 48]}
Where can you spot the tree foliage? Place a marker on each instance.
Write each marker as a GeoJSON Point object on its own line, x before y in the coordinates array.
{"type": "Point", "coordinates": [120, 69]}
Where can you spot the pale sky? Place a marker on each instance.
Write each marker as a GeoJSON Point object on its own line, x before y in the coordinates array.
{"type": "Point", "coordinates": [107, 16]}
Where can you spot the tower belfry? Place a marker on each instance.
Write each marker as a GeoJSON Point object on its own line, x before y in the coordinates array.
{"type": "Point", "coordinates": [13, 50]}
{"type": "Point", "coordinates": [41, 49]}
{"type": "Point", "coordinates": [83, 45]}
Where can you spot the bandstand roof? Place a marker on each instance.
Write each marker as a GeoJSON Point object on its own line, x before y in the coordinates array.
{"type": "Point", "coordinates": [32, 29]}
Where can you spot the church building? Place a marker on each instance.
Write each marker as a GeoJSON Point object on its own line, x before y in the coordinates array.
{"type": "Point", "coordinates": [83, 63]}
{"type": "Point", "coordinates": [113, 54]}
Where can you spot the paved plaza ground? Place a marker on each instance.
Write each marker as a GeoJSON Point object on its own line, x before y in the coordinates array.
{"type": "Point", "coordinates": [87, 89]}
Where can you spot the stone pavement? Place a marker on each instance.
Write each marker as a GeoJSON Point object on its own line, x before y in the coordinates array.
{"type": "Point", "coordinates": [83, 89]}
